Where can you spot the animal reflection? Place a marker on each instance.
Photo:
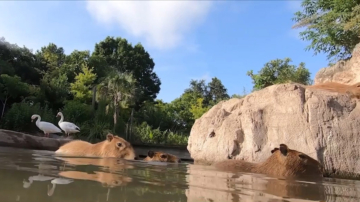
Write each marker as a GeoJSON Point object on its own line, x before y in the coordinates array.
{"type": "Point", "coordinates": [39, 177]}
{"type": "Point", "coordinates": [110, 178]}
{"type": "Point", "coordinates": [43, 168]}
{"type": "Point", "coordinates": [56, 181]}
{"type": "Point", "coordinates": [207, 184]}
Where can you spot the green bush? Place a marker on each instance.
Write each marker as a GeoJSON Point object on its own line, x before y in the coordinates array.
{"type": "Point", "coordinates": [18, 118]}
{"type": "Point", "coordinates": [77, 112]}
{"type": "Point", "coordinates": [145, 134]}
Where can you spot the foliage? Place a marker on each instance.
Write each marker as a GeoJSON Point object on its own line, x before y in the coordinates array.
{"type": "Point", "coordinates": [144, 133]}
{"type": "Point", "coordinates": [49, 81]}
{"type": "Point", "coordinates": [280, 71]}
{"type": "Point", "coordinates": [198, 109]}
{"type": "Point", "coordinates": [18, 117]}
{"type": "Point", "coordinates": [82, 87]}
{"type": "Point", "coordinates": [11, 87]}
{"type": "Point", "coordinates": [332, 26]}
{"type": "Point", "coordinates": [124, 57]}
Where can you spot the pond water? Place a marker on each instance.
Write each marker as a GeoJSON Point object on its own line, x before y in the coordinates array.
{"type": "Point", "coordinates": [39, 176]}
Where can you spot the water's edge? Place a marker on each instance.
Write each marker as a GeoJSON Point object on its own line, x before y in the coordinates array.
{"type": "Point", "coordinates": [15, 139]}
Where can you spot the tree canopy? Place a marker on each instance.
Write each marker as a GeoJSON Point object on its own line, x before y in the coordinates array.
{"type": "Point", "coordinates": [112, 89]}
{"type": "Point", "coordinates": [280, 71]}
{"type": "Point", "coordinates": [332, 26]}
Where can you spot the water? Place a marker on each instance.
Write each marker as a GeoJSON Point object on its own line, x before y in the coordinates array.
{"type": "Point", "coordinates": [39, 176]}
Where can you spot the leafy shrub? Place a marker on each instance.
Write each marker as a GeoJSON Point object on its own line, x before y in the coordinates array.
{"type": "Point", "coordinates": [145, 134]}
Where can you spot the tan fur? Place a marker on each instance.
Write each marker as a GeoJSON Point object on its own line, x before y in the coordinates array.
{"type": "Point", "coordinates": [162, 157]}
{"type": "Point", "coordinates": [106, 179]}
{"type": "Point", "coordinates": [352, 90]}
{"type": "Point", "coordinates": [106, 164]}
{"type": "Point", "coordinates": [283, 163]}
{"type": "Point", "coordinates": [106, 148]}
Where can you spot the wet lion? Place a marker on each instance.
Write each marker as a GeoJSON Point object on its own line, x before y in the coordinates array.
{"type": "Point", "coordinates": [113, 146]}
{"type": "Point", "coordinates": [283, 163]}
{"type": "Point", "coordinates": [162, 157]}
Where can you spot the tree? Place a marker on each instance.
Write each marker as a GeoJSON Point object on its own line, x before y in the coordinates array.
{"type": "Point", "coordinates": [20, 61]}
{"type": "Point", "coordinates": [217, 91]}
{"type": "Point", "coordinates": [280, 71]}
{"type": "Point", "coordinates": [120, 89]}
{"type": "Point", "coordinates": [332, 26]}
{"type": "Point", "coordinates": [11, 87]}
{"type": "Point", "coordinates": [82, 87]}
{"type": "Point", "coordinates": [124, 57]}
{"type": "Point", "coordinates": [198, 109]}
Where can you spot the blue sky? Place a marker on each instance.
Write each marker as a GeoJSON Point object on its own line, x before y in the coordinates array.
{"type": "Point", "coordinates": [187, 39]}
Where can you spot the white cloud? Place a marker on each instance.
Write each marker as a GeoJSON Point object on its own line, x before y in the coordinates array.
{"type": "Point", "coordinates": [163, 24]}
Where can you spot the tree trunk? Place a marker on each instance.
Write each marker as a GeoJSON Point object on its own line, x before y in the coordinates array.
{"type": "Point", "coordinates": [3, 109]}
{"type": "Point", "coordinates": [115, 112]}
{"type": "Point", "coordinates": [94, 97]}
{"type": "Point", "coordinates": [131, 119]}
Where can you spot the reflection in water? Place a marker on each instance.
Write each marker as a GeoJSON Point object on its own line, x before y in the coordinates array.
{"type": "Point", "coordinates": [30, 176]}
{"type": "Point", "coordinates": [56, 181]}
{"type": "Point", "coordinates": [38, 177]}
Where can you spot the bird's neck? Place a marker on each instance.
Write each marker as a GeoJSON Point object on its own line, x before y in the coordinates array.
{"type": "Point", "coordinates": [38, 121]}
{"type": "Point", "coordinates": [61, 119]}
{"type": "Point", "coordinates": [51, 191]}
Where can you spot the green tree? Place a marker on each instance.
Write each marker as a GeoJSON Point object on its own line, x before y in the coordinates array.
{"type": "Point", "coordinates": [217, 91]}
{"type": "Point", "coordinates": [198, 109]}
{"type": "Point", "coordinates": [120, 90]}
{"type": "Point", "coordinates": [332, 26]}
{"type": "Point", "coordinates": [20, 61]}
{"type": "Point", "coordinates": [11, 87]}
{"type": "Point", "coordinates": [124, 57]}
{"type": "Point", "coordinates": [280, 71]}
{"type": "Point", "coordinates": [82, 87]}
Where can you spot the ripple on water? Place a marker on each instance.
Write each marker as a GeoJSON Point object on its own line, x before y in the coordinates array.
{"type": "Point", "coordinates": [29, 175]}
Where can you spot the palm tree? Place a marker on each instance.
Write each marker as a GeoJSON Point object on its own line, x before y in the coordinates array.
{"type": "Point", "coordinates": [120, 89]}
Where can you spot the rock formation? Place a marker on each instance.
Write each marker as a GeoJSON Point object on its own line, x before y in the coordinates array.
{"type": "Point", "coordinates": [323, 124]}
{"type": "Point", "coordinates": [344, 71]}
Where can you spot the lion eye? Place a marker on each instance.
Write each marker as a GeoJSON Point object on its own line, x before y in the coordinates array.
{"type": "Point", "coordinates": [119, 144]}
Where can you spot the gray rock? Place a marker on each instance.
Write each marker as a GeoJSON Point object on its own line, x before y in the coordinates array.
{"type": "Point", "coordinates": [325, 125]}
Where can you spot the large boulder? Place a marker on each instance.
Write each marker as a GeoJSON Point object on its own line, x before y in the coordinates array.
{"type": "Point", "coordinates": [344, 71]}
{"type": "Point", "coordinates": [325, 125]}
{"type": "Point", "coordinates": [10, 138]}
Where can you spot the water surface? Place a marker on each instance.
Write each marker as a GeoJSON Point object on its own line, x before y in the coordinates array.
{"type": "Point", "coordinates": [39, 176]}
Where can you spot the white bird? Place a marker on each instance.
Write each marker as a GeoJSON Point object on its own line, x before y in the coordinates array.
{"type": "Point", "coordinates": [57, 181]}
{"type": "Point", "coordinates": [68, 127]}
{"type": "Point", "coordinates": [46, 127]}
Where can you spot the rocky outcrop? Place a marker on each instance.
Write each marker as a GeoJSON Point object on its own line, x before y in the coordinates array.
{"type": "Point", "coordinates": [10, 138]}
{"type": "Point", "coordinates": [323, 124]}
{"type": "Point", "coordinates": [344, 71]}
